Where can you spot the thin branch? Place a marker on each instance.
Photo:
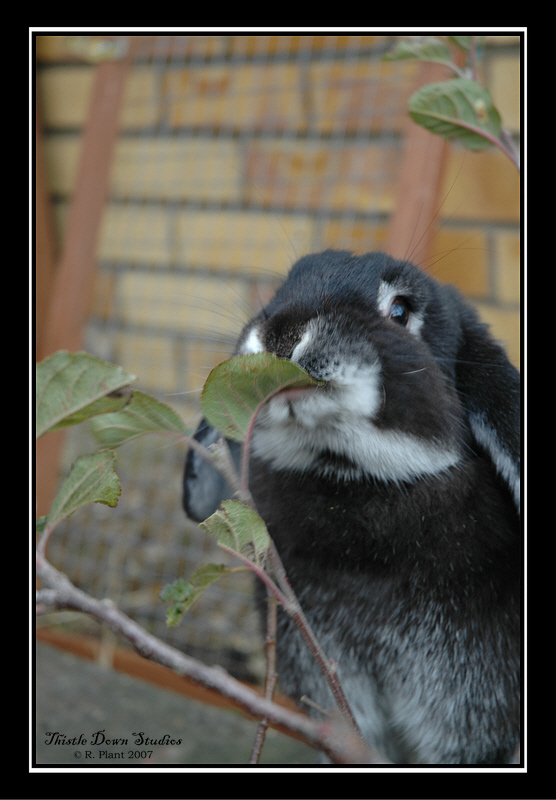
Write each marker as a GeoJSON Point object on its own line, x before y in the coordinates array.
{"type": "Point", "coordinates": [282, 589]}
{"type": "Point", "coordinates": [223, 462]}
{"type": "Point", "coordinates": [68, 596]}
{"type": "Point", "coordinates": [328, 668]}
{"type": "Point", "coordinates": [262, 574]}
{"type": "Point", "coordinates": [271, 674]}
{"type": "Point", "coordinates": [59, 592]}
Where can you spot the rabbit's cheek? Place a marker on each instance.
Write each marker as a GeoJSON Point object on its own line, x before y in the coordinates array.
{"type": "Point", "coordinates": [330, 429]}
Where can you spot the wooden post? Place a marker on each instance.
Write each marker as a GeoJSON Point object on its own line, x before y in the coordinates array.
{"type": "Point", "coordinates": [70, 293]}
{"type": "Point", "coordinates": [45, 240]}
{"type": "Point", "coordinates": [412, 224]}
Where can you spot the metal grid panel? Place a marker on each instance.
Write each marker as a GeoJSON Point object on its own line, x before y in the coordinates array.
{"type": "Point", "coordinates": [237, 155]}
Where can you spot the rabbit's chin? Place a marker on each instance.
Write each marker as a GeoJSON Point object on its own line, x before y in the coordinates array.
{"type": "Point", "coordinates": [330, 430]}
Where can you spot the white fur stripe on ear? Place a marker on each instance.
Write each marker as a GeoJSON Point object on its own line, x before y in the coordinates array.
{"type": "Point", "coordinates": [505, 464]}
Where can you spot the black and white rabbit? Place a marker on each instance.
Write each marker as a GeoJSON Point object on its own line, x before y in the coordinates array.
{"type": "Point", "coordinates": [392, 494]}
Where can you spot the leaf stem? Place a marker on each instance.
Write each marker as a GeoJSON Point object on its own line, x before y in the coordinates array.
{"type": "Point", "coordinates": [285, 595]}
{"type": "Point", "coordinates": [327, 667]}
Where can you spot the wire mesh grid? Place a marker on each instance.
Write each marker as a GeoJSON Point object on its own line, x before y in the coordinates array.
{"type": "Point", "coordinates": [236, 156]}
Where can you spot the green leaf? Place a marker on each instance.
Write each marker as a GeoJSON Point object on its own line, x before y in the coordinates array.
{"type": "Point", "coordinates": [239, 529]}
{"type": "Point", "coordinates": [183, 593]}
{"type": "Point", "coordinates": [427, 48]}
{"type": "Point", "coordinates": [235, 389]}
{"type": "Point", "coordinates": [143, 414]}
{"type": "Point", "coordinates": [92, 479]}
{"type": "Point", "coordinates": [457, 108]}
{"type": "Point", "coordinates": [40, 525]}
{"type": "Point", "coordinates": [70, 387]}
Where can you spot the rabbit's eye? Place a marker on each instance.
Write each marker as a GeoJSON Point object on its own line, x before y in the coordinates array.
{"type": "Point", "coordinates": [399, 311]}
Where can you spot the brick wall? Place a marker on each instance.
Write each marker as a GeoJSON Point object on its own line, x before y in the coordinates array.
{"type": "Point", "coordinates": [238, 154]}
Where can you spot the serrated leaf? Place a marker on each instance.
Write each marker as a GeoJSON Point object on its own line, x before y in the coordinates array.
{"type": "Point", "coordinates": [458, 108]}
{"type": "Point", "coordinates": [71, 387]}
{"type": "Point", "coordinates": [92, 479]}
{"type": "Point", "coordinates": [183, 593]}
{"type": "Point", "coordinates": [235, 389]}
{"type": "Point", "coordinates": [239, 529]}
{"type": "Point", "coordinates": [427, 48]}
{"type": "Point", "coordinates": [143, 414]}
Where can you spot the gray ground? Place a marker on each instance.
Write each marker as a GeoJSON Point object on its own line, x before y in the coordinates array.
{"type": "Point", "coordinates": [80, 700]}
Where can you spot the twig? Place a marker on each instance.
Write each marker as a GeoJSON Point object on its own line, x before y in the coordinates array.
{"type": "Point", "coordinates": [59, 592]}
{"type": "Point", "coordinates": [68, 596]}
{"type": "Point", "coordinates": [327, 667]}
{"type": "Point", "coordinates": [282, 588]}
{"type": "Point", "coordinates": [222, 461]}
{"type": "Point", "coordinates": [271, 675]}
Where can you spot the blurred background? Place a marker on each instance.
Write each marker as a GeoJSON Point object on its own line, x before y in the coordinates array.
{"type": "Point", "coordinates": [178, 178]}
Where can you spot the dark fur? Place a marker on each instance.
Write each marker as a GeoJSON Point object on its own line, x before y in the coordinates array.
{"type": "Point", "coordinates": [412, 585]}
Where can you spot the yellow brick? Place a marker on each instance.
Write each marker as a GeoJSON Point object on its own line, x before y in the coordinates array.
{"type": "Point", "coordinates": [245, 241]}
{"type": "Point", "coordinates": [157, 168]}
{"type": "Point", "coordinates": [174, 48]}
{"type": "Point", "coordinates": [460, 257]}
{"type": "Point", "coordinates": [505, 326]}
{"type": "Point", "coordinates": [151, 358]}
{"type": "Point", "coordinates": [61, 154]}
{"type": "Point", "coordinates": [359, 96]}
{"type": "Point", "coordinates": [176, 169]}
{"type": "Point", "coordinates": [504, 85]}
{"type": "Point", "coordinates": [64, 94]}
{"type": "Point", "coordinates": [60, 48]}
{"type": "Point", "coordinates": [271, 45]}
{"type": "Point", "coordinates": [259, 96]}
{"type": "Point", "coordinates": [142, 104]}
{"type": "Point", "coordinates": [138, 234]}
{"type": "Point", "coordinates": [508, 266]}
{"type": "Point", "coordinates": [309, 175]}
{"type": "Point", "coordinates": [187, 303]}
{"type": "Point", "coordinates": [162, 370]}
{"type": "Point", "coordinates": [499, 40]}
{"type": "Point", "coordinates": [353, 235]}
{"type": "Point", "coordinates": [480, 186]}
{"type": "Point", "coordinates": [202, 356]}
{"type": "Point", "coordinates": [253, 242]}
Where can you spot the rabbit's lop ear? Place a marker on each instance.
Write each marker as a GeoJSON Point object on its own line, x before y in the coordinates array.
{"type": "Point", "coordinates": [489, 388]}
{"type": "Point", "coordinates": [204, 488]}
